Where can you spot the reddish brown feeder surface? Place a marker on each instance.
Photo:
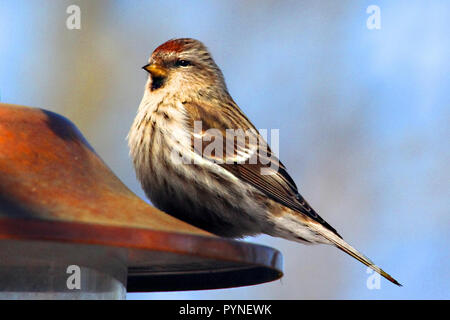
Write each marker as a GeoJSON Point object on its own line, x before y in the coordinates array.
{"type": "Point", "coordinates": [55, 188]}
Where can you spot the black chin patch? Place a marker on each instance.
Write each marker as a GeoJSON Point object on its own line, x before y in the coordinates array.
{"type": "Point", "coordinates": [157, 82]}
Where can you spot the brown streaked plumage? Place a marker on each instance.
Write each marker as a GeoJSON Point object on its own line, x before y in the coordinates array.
{"type": "Point", "coordinates": [186, 109]}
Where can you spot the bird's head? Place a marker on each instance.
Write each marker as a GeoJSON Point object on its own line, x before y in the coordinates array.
{"type": "Point", "coordinates": [183, 64]}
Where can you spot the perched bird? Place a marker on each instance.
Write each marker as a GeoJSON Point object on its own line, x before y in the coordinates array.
{"type": "Point", "coordinates": [184, 119]}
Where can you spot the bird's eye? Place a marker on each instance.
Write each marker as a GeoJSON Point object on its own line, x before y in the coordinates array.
{"type": "Point", "coordinates": [182, 63]}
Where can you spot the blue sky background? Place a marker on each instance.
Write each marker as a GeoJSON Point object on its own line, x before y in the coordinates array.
{"type": "Point", "coordinates": [363, 116]}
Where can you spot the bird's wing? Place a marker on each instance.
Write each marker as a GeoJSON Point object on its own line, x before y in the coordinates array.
{"type": "Point", "coordinates": [250, 159]}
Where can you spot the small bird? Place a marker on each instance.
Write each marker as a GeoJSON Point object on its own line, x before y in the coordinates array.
{"type": "Point", "coordinates": [184, 119]}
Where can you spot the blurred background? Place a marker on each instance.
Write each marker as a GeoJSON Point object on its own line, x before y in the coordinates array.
{"type": "Point", "coordinates": [363, 116]}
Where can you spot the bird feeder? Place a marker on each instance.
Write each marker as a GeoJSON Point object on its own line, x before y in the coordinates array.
{"type": "Point", "coordinates": [70, 229]}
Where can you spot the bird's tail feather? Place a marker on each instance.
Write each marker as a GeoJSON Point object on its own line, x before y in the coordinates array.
{"type": "Point", "coordinates": [344, 246]}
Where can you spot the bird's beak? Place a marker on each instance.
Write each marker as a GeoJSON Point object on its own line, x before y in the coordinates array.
{"type": "Point", "coordinates": [155, 70]}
